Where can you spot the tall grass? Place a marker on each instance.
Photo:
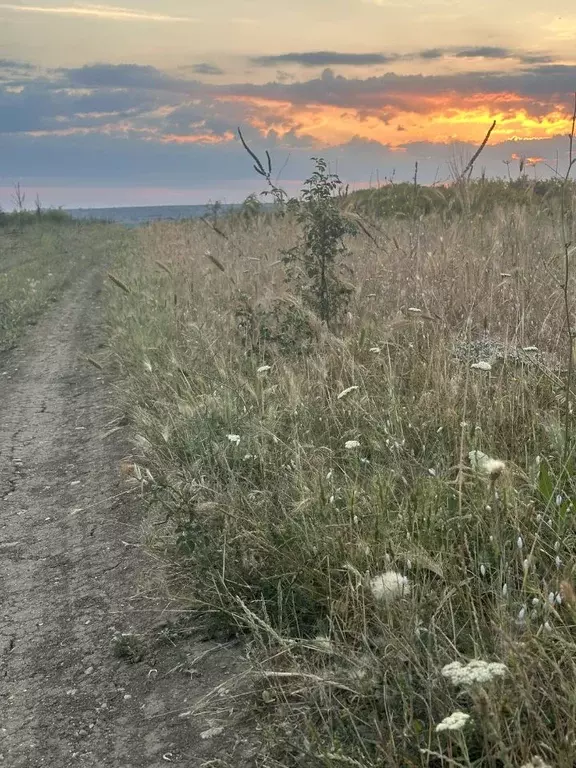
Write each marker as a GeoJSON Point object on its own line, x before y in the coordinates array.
{"type": "Point", "coordinates": [39, 261]}
{"type": "Point", "coordinates": [316, 492]}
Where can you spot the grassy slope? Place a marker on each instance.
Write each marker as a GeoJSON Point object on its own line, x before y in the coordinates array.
{"type": "Point", "coordinates": [282, 531]}
{"type": "Point", "coordinates": [38, 263]}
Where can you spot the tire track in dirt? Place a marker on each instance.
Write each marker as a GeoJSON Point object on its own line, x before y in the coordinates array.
{"type": "Point", "coordinates": [68, 582]}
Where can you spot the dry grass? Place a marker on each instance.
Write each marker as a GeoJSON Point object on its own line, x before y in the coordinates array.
{"type": "Point", "coordinates": [273, 525]}
{"type": "Point", "coordinates": [38, 263]}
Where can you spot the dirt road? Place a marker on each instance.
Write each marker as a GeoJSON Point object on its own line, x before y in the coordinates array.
{"type": "Point", "coordinates": [69, 573]}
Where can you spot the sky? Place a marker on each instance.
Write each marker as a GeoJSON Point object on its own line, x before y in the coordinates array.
{"type": "Point", "coordinates": [139, 103]}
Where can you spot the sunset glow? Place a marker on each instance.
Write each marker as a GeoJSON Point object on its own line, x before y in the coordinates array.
{"type": "Point", "coordinates": [122, 93]}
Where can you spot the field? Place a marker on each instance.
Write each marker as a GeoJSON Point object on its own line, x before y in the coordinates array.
{"type": "Point", "coordinates": [381, 507]}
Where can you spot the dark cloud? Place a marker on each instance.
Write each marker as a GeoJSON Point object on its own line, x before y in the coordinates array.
{"type": "Point", "coordinates": [11, 64]}
{"type": "Point", "coordinates": [333, 58]}
{"type": "Point", "coordinates": [324, 59]}
{"type": "Point", "coordinates": [483, 52]}
{"type": "Point", "coordinates": [43, 107]}
{"type": "Point", "coordinates": [400, 91]}
{"type": "Point", "coordinates": [125, 76]}
{"type": "Point", "coordinates": [431, 53]}
{"type": "Point", "coordinates": [206, 69]}
{"type": "Point", "coordinates": [97, 159]}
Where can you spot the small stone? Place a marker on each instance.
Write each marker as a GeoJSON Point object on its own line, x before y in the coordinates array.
{"type": "Point", "coordinates": [89, 670]}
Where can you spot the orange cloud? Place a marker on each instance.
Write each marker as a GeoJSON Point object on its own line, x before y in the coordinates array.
{"type": "Point", "coordinates": [199, 138]}
{"type": "Point", "coordinates": [439, 119]}
{"type": "Point", "coordinates": [528, 160]}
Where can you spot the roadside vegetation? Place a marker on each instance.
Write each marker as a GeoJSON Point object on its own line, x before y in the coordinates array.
{"type": "Point", "coordinates": [355, 430]}
{"type": "Point", "coordinates": [40, 256]}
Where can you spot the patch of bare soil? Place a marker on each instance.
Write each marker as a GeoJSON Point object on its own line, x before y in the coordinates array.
{"type": "Point", "coordinates": [70, 568]}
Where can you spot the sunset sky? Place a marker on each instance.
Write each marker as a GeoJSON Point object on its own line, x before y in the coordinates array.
{"type": "Point", "coordinates": [138, 104]}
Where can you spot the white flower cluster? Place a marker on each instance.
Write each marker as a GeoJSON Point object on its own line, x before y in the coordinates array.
{"type": "Point", "coordinates": [388, 586]}
{"type": "Point", "coordinates": [536, 762]}
{"type": "Point", "coordinates": [476, 671]}
{"type": "Point", "coordinates": [485, 465]}
{"type": "Point", "coordinates": [454, 722]}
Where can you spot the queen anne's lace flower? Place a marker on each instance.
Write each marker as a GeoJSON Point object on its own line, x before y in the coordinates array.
{"type": "Point", "coordinates": [454, 722]}
{"type": "Point", "coordinates": [388, 586]}
{"type": "Point", "coordinates": [536, 762]}
{"type": "Point", "coordinates": [351, 444]}
{"type": "Point", "coordinates": [485, 465]}
{"type": "Point", "coordinates": [475, 672]}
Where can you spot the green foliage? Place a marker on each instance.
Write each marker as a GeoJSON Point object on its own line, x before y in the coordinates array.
{"type": "Point", "coordinates": [479, 197]}
{"type": "Point", "coordinates": [279, 327]}
{"type": "Point", "coordinates": [20, 219]}
{"type": "Point", "coordinates": [315, 264]}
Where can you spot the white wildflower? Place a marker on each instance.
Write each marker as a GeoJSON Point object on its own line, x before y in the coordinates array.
{"type": "Point", "coordinates": [234, 439]}
{"type": "Point", "coordinates": [548, 626]}
{"type": "Point", "coordinates": [519, 542]}
{"type": "Point", "coordinates": [415, 310]}
{"type": "Point", "coordinates": [558, 562]}
{"type": "Point", "coordinates": [526, 564]}
{"type": "Point", "coordinates": [389, 586]}
{"type": "Point", "coordinates": [535, 601]}
{"type": "Point", "coordinates": [347, 391]}
{"type": "Point", "coordinates": [454, 722]}
{"type": "Point", "coordinates": [483, 569]}
{"type": "Point", "coordinates": [536, 762]}
{"type": "Point", "coordinates": [530, 349]}
{"type": "Point", "coordinates": [485, 464]}
{"type": "Point", "coordinates": [476, 671]}
{"type": "Point", "coordinates": [432, 472]}
{"type": "Point", "coordinates": [147, 364]}
{"type": "Point", "coordinates": [505, 590]}
{"type": "Point", "coordinates": [522, 614]}
{"type": "Point", "coordinates": [351, 444]}
{"type": "Point", "coordinates": [557, 546]}
{"type": "Point", "coordinates": [551, 598]}
{"type": "Point", "coordinates": [375, 350]}
{"type": "Point", "coordinates": [264, 369]}
{"type": "Point", "coordinates": [481, 365]}
{"type": "Point", "coordinates": [559, 500]}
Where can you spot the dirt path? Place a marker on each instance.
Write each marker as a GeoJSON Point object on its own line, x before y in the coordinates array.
{"type": "Point", "coordinates": [68, 578]}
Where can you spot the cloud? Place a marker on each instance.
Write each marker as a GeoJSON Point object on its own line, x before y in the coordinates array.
{"type": "Point", "coordinates": [125, 76]}
{"type": "Point", "coordinates": [95, 11]}
{"type": "Point", "coordinates": [12, 64]}
{"type": "Point", "coordinates": [206, 69]}
{"type": "Point", "coordinates": [137, 124]}
{"type": "Point", "coordinates": [483, 52]}
{"type": "Point", "coordinates": [321, 59]}
{"type": "Point", "coordinates": [324, 59]}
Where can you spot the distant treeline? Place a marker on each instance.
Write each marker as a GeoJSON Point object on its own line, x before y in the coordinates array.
{"type": "Point", "coordinates": [25, 218]}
